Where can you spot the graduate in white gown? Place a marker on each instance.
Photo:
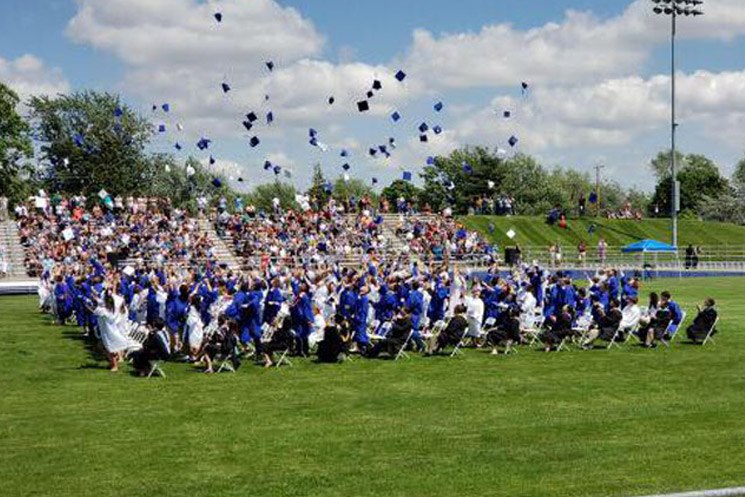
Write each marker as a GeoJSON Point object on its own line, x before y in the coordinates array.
{"type": "Point", "coordinates": [194, 329]}
{"type": "Point", "coordinates": [114, 341]}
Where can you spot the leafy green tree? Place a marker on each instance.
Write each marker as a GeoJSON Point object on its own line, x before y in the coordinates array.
{"type": "Point", "coordinates": [739, 176]}
{"type": "Point", "coordinates": [352, 189]}
{"type": "Point", "coordinates": [262, 195]}
{"type": "Point", "coordinates": [661, 166]}
{"type": "Point", "coordinates": [184, 183]}
{"type": "Point", "coordinates": [91, 140]}
{"type": "Point", "coordinates": [15, 147]}
{"type": "Point", "coordinates": [699, 178]}
{"type": "Point", "coordinates": [317, 190]}
{"type": "Point", "coordinates": [401, 188]}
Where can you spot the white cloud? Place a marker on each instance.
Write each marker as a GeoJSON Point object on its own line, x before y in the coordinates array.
{"type": "Point", "coordinates": [27, 75]}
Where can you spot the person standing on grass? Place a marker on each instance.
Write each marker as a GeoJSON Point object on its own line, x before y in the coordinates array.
{"type": "Point", "coordinates": [112, 338]}
{"type": "Point", "coordinates": [602, 250]}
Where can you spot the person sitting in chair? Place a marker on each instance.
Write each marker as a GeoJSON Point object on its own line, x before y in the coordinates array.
{"type": "Point", "coordinates": [559, 327]}
{"type": "Point", "coordinates": [452, 334]}
{"type": "Point", "coordinates": [660, 327]}
{"type": "Point", "coordinates": [334, 345]}
{"type": "Point", "coordinates": [606, 325]}
{"type": "Point", "coordinates": [703, 323]}
{"type": "Point", "coordinates": [281, 338]}
{"type": "Point", "coordinates": [396, 337]}
{"type": "Point", "coordinates": [507, 331]}
{"type": "Point", "coordinates": [156, 347]}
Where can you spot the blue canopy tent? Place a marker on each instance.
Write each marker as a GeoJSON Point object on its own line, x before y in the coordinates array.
{"type": "Point", "coordinates": [644, 247]}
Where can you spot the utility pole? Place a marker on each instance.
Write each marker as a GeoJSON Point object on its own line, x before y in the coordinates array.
{"type": "Point", "coordinates": [598, 168]}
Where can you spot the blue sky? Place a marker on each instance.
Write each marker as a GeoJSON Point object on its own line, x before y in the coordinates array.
{"type": "Point", "coordinates": [598, 78]}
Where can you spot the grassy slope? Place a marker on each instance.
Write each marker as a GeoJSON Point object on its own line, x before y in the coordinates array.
{"type": "Point", "coordinates": [534, 231]}
{"type": "Point", "coordinates": [623, 422]}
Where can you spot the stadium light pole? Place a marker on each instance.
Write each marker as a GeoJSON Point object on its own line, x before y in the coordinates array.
{"type": "Point", "coordinates": [675, 8]}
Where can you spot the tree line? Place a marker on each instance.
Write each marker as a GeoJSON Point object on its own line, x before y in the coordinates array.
{"type": "Point", "coordinates": [87, 141]}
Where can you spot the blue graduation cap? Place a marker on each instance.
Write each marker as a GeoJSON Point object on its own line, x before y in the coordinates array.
{"type": "Point", "coordinates": [328, 187]}
{"type": "Point", "coordinates": [277, 170]}
{"type": "Point", "coordinates": [375, 181]}
{"type": "Point", "coordinates": [383, 149]}
{"type": "Point", "coordinates": [593, 198]}
{"type": "Point", "coordinates": [407, 176]}
{"type": "Point", "coordinates": [439, 106]}
{"type": "Point", "coordinates": [218, 16]}
{"type": "Point", "coordinates": [166, 107]}
{"type": "Point", "coordinates": [247, 125]}
{"type": "Point", "coordinates": [269, 117]}
{"type": "Point", "coordinates": [396, 116]}
{"type": "Point", "coordinates": [177, 146]}
{"type": "Point", "coordinates": [513, 141]}
{"type": "Point", "coordinates": [346, 167]}
{"type": "Point", "coordinates": [118, 112]}
{"type": "Point", "coordinates": [344, 153]}
{"type": "Point", "coordinates": [312, 133]}
{"type": "Point", "coordinates": [225, 87]}
{"type": "Point", "coordinates": [313, 141]}
{"type": "Point", "coordinates": [467, 168]}
{"type": "Point", "coordinates": [251, 116]}
{"type": "Point", "coordinates": [203, 143]}
{"type": "Point", "coordinates": [423, 128]}
{"type": "Point", "coordinates": [332, 100]}
{"type": "Point", "coordinates": [373, 152]}
{"type": "Point", "coordinates": [217, 183]}
{"type": "Point", "coordinates": [161, 128]}
{"type": "Point", "coordinates": [392, 142]}
{"type": "Point", "coordinates": [78, 140]}
{"type": "Point", "coordinates": [437, 129]}
{"type": "Point", "coordinates": [430, 161]}
{"type": "Point", "coordinates": [270, 65]}
{"type": "Point", "coordinates": [212, 161]}
{"type": "Point", "coordinates": [377, 85]}
{"type": "Point", "coordinates": [400, 75]}
{"type": "Point", "coordinates": [254, 142]}
{"type": "Point", "coordinates": [363, 106]}
{"type": "Point", "coordinates": [507, 114]}
{"type": "Point", "coordinates": [267, 165]}
{"type": "Point", "coordinates": [423, 138]}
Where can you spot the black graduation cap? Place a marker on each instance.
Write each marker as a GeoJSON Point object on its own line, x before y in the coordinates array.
{"type": "Point", "coordinates": [332, 100]}
{"type": "Point", "coordinates": [439, 106]}
{"type": "Point", "coordinates": [270, 65]}
{"type": "Point", "coordinates": [267, 165]}
{"type": "Point", "coordinates": [217, 182]}
{"type": "Point", "coordinates": [346, 167]}
{"type": "Point", "coordinates": [240, 179]}
{"type": "Point", "coordinates": [423, 138]}
{"type": "Point", "coordinates": [370, 94]}
{"type": "Point", "coordinates": [312, 133]}
{"type": "Point", "coordinates": [269, 117]}
{"type": "Point", "coordinates": [375, 181]}
{"type": "Point", "coordinates": [525, 85]}
{"type": "Point", "coordinates": [400, 75]}
{"type": "Point", "coordinates": [363, 106]}
{"type": "Point", "coordinates": [396, 117]}
{"type": "Point", "coordinates": [177, 146]}
{"type": "Point", "coordinates": [437, 129]}
{"type": "Point", "coordinates": [155, 107]}
{"type": "Point", "coordinates": [247, 125]}
{"type": "Point", "coordinates": [377, 85]}
{"type": "Point", "coordinates": [277, 169]}
{"type": "Point", "coordinates": [507, 114]}
{"type": "Point", "coordinates": [373, 152]}
{"type": "Point", "coordinates": [203, 143]}
{"type": "Point", "coordinates": [383, 149]}
{"type": "Point", "coordinates": [212, 160]}
{"type": "Point", "coordinates": [225, 87]}
{"type": "Point", "coordinates": [251, 116]}
{"type": "Point", "coordinates": [423, 128]}
{"type": "Point", "coordinates": [254, 142]}
{"type": "Point", "coordinates": [218, 16]}
{"type": "Point", "coordinates": [513, 141]}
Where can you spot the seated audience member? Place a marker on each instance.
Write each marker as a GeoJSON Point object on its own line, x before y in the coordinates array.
{"type": "Point", "coordinates": [606, 324]}
{"type": "Point", "coordinates": [631, 316]}
{"type": "Point", "coordinates": [396, 338]}
{"type": "Point", "coordinates": [703, 322]}
{"type": "Point", "coordinates": [507, 331]}
{"type": "Point", "coordinates": [280, 339]}
{"type": "Point", "coordinates": [332, 348]}
{"type": "Point", "coordinates": [665, 324]}
{"type": "Point", "coordinates": [452, 334]}
{"type": "Point", "coordinates": [558, 328]}
{"type": "Point", "coordinates": [156, 347]}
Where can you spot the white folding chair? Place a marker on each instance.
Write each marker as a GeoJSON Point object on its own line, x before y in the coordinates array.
{"type": "Point", "coordinates": [155, 369]}
{"type": "Point", "coordinates": [460, 344]}
{"type": "Point", "coordinates": [673, 330]}
{"type": "Point", "coordinates": [710, 334]}
{"type": "Point", "coordinates": [402, 351]}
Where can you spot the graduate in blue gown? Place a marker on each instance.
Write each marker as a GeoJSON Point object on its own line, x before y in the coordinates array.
{"type": "Point", "coordinates": [414, 304]}
{"type": "Point", "coordinates": [361, 310]}
{"type": "Point", "coordinates": [63, 299]}
{"type": "Point", "coordinates": [273, 302]}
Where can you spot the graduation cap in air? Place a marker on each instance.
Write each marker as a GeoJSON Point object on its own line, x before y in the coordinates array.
{"type": "Point", "coordinates": [467, 168]}
{"type": "Point", "coordinates": [490, 184]}
{"type": "Point", "coordinates": [370, 94]}
{"type": "Point", "coordinates": [450, 186]}
{"type": "Point", "coordinates": [204, 143]}
{"type": "Point", "coordinates": [212, 161]}
{"type": "Point", "coordinates": [525, 85]}
{"type": "Point", "coordinates": [375, 181]}
{"type": "Point", "coordinates": [247, 125]}
{"type": "Point", "coordinates": [373, 152]}
{"type": "Point", "coordinates": [78, 140]}
{"type": "Point", "coordinates": [179, 126]}
{"type": "Point", "coordinates": [313, 141]}
{"type": "Point", "coordinates": [332, 100]}
{"type": "Point", "coordinates": [392, 142]}
{"type": "Point", "coordinates": [254, 142]}
{"type": "Point", "coordinates": [225, 87]}
{"type": "Point", "coordinates": [267, 165]}
{"type": "Point", "coordinates": [177, 146]}
{"type": "Point", "coordinates": [218, 16]}
{"type": "Point", "coordinates": [513, 141]}
{"type": "Point", "coordinates": [400, 75]}
{"type": "Point", "coordinates": [312, 133]}
{"type": "Point", "coordinates": [344, 153]}
{"type": "Point", "coordinates": [407, 176]}
{"type": "Point", "coordinates": [155, 107]}
{"type": "Point", "coordinates": [423, 138]}
{"type": "Point", "coordinates": [269, 117]}
{"type": "Point", "coordinates": [328, 187]}
{"type": "Point", "coordinates": [396, 117]}
{"type": "Point", "coordinates": [439, 106]}
{"type": "Point", "coordinates": [118, 112]}
{"type": "Point", "coordinates": [363, 106]}
{"type": "Point", "coordinates": [217, 182]}
{"type": "Point", "coordinates": [166, 107]}
{"type": "Point", "coordinates": [593, 198]}
{"type": "Point", "coordinates": [507, 114]}
{"type": "Point", "coordinates": [346, 167]}
{"type": "Point", "coordinates": [377, 85]}
{"type": "Point", "coordinates": [240, 179]}
{"type": "Point", "coordinates": [270, 65]}
{"type": "Point", "coordinates": [251, 116]}
{"type": "Point", "coordinates": [423, 128]}
{"type": "Point", "coordinates": [437, 129]}
{"type": "Point", "coordinates": [288, 173]}
{"type": "Point", "coordinates": [277, 170]}
{"type": "Point", "coordinates": [161, 128]}
{"type": "Point", "coordinates": [430, 161]}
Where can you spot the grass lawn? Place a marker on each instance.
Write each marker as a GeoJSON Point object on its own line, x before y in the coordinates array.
{"type": "Point", "coordinates": [617, 423]}
{"type": "Point", "coordinates": [533, 231]}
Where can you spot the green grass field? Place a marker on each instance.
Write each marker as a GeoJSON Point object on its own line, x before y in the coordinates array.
{"type": "Point", "coordinates": [534, 231]}
{"type": "Point", "coordinates": [596, 423]}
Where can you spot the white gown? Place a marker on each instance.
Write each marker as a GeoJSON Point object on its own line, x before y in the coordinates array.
{"type": "Point", "coordinates": [112, 338]}
{"type": "Point", "coordinates": [194, 328]}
